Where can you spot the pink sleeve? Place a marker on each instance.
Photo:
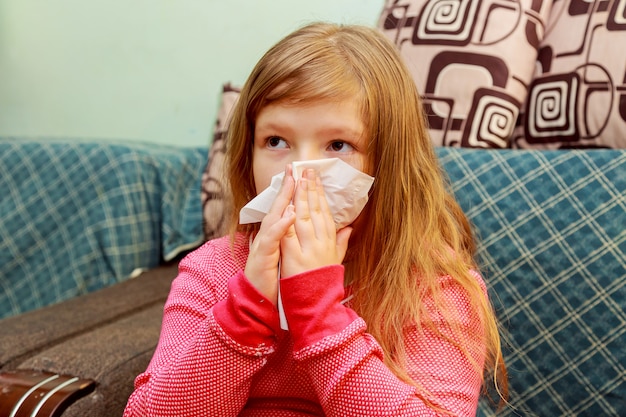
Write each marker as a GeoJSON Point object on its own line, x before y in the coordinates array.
{"type": "Point", "coordinates": [346, 365]}
{"type": "Point", "coordinates": [211, 345]}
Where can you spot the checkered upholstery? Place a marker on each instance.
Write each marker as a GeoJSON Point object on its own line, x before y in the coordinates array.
{"type": "Point", "coordinates": [552, 226]}
{"type": "Point", "coordinates": [75, 217]}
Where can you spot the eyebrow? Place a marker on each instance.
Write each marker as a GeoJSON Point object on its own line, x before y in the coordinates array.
{"type": "Point", "coordinates": [341, 131]}
{"type": "Point", "coordinates": [329, 131]}
{"type": "Point", "coordinates": [270, 125]}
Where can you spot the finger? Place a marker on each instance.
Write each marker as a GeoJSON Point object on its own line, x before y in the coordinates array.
{"type": "Point", "coordinates": [343, 237]}
{"type": "Point", "coordinates": [289, 239]}
{"type": "Point", "coordinates": [321, 216]}
{"type": "Point", "coordinates": [275, 224]}
{"type": "Point", "coordinates": [284, 196]}
{"type": "Point", "coordinates": [318, 206]}
{"type": "Point", "coordinates": [286, 221]}
{"type": "Point", "coordinates": [290, 217]}
{"type": "Point", "coordinates": [312, 188]}
{"type": "Point", "coordinates": [325, 212]}
{"type": "Point", "coordinates": [301, 202]}
{"type": "Point", "coordinates": [309, 223]}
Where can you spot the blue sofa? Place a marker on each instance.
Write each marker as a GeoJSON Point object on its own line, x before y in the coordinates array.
{"type": "Point", "coordinates": [77, 216]}
{"type": "Point", "coordinates": [552, 229]}
{"type": "Point", "coordinates": [78, 219]}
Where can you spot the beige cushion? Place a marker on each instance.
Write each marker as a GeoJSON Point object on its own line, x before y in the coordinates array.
{"type": "Point", "coordinates": [472, 62]}
{"type": "Point", "coordinates": [214, 185]}
{"type": "Point", "coordinates": [578, 95]}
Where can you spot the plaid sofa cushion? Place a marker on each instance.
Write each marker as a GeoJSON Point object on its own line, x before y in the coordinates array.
{"type": "Point", "coordinates": [79, 216]}
{"type": "Point", "coordinates": [552, 230]}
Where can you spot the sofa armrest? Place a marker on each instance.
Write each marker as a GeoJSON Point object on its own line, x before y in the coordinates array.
{"type": "Point", "coordinates": [107, 336]}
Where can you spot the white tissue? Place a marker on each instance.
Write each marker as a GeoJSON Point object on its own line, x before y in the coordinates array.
{"type": "Point", "coordinates": [346, 190]}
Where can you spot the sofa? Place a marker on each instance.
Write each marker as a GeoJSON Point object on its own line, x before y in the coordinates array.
{"type": "Point", "coordinates": [532, 143]}
{"type": "Point", "coordinates": [91, 235]}
{"type": "Point", "coordinates": [552, 228]}
{"type": "Point", "coordinates": [552, 233]}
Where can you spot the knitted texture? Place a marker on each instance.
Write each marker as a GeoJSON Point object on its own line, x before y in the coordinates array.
{"type": "Point", "coordinates": [205, 365]}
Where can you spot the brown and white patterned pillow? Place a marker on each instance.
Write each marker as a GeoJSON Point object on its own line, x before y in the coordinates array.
{"type": "Point", "coordinates": [214, 184]}
{"type": "Point", "coordinates": [578, 96]}
{"type": "Point", "coordinates": [472, 61]}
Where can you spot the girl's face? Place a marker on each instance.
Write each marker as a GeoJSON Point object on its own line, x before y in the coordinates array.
{"type": "Point", "coordinates": [287, 132]}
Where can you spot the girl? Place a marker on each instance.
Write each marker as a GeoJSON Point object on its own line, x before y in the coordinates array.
{"type": "Point", "coordinates": [387, 317]}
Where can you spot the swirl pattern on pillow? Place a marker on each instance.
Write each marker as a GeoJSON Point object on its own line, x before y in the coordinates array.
{"type": "Point", "coordinates": [472, 61]}
{"type": "Point", "coordinates": [578, 96]}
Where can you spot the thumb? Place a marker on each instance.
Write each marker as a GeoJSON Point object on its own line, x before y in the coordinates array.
{"type": "Point", "coordinates": [343, 236]}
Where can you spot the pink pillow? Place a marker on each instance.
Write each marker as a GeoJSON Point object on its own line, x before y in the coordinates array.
{"type": "Point", "coordinates": [578, 96]}
{"type": "Point", "coordinates": [214, 184]}
{"type": "Point", "coordinates": [472, 62]}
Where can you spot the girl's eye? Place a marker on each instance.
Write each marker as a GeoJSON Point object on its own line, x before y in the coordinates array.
{"type": "Point", "coordinates": [276, 142]}
{"type": "Point", "coordinates": [340, 146]}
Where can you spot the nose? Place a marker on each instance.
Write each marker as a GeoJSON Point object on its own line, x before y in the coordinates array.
{"type": "Point", "coordinates": [308, 153]}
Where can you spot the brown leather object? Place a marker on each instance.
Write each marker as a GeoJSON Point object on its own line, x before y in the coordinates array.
{"type": "Point", "coordinates": [37, 394]}
{"type": "Point", "coordinates": [108, 336]}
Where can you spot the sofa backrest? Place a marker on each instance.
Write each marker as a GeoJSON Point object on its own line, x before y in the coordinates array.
{"type": "Point", "coordinates": [79, 215]}
{"type": "Point", "coordinates": [552, 230]}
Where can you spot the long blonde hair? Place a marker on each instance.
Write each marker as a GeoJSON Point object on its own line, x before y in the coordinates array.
{"type": "Point", "coordinates": [413, 225]}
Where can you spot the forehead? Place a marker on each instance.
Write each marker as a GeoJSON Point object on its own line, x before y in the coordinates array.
{"type": "Point", "coordinates": [343, 116]}
{"type": "Point", "coordinates": [311, 89]}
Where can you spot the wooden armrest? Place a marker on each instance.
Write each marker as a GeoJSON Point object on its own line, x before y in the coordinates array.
{"type": "Point", "coordinates": [25, 393]}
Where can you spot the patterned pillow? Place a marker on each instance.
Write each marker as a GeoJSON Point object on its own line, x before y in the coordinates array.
{"type": "Point", "coordinates": [471, 60]}
{"type": "Point", "coordinates": [578, 95]}
{"type": "Point", "coordinates": [214, 185]}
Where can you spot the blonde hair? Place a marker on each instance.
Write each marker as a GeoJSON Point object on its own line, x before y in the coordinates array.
{"type": "Point", "coordinates": [412, 222]}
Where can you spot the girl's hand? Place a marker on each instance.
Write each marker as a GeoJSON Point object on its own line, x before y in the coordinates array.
{"type": "Point", "coordinates": [312, 241]}
{"type": "Point", "coordinates": [262, 264]}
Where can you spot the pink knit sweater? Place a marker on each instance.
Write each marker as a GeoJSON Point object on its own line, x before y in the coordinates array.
{"type": "Point", "coordinates": [222, 353]}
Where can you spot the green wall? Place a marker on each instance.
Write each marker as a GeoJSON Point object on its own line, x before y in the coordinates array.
{"type": "Point", "coordinates": [139, 70]}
